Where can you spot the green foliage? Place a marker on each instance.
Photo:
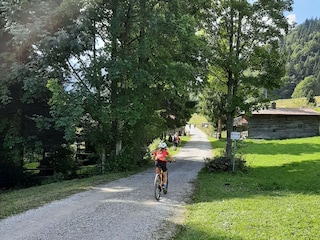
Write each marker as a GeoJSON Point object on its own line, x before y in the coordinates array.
{"type": "Point", "coordinates": [125, 161]}
{"type": "Point", "coordinates": [302, 47]}
{"type": "Point", "coordinates": [309, 86]}
{"type": "Point", "coordinates": [224, 164]}
{"type": "Point", "coordinates": [134, 82]}
{"type": "Point", "coordinates": [246, 56]}
{"type": "Point", "coordinates": [26, 124]}
{"type": "Point", "coordinates": [61, 160]}
{"type": "Point", "coordinates": [66, 108]}
{"type": "Point", "coordinates": [311, 98]}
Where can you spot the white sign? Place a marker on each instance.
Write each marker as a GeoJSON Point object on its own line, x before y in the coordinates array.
{"type": "Point", "coordinates": [235, 135]}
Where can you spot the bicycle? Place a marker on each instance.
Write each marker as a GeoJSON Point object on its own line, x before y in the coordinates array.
{"type": "Point", "coordinates": [157, 184]}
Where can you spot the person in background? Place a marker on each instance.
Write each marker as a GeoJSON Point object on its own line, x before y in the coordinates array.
{"type": "Point", "coordinates": [160, 158]}
{"type": "Point", "coordinates": [176, 140]}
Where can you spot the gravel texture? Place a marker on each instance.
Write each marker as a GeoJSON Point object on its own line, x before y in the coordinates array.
{"type": "Point", "coordinates": [123, 209]}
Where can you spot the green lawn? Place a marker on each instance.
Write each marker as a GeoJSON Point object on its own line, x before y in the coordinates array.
{"type": "Point", "coordinates": [278, 198]}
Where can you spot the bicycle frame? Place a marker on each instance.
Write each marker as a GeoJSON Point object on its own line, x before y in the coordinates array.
{"type": "Point", "coordinates": [157, 184]}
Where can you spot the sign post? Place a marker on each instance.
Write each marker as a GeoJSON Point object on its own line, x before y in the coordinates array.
{"type": "Point", "coordinates": [234, 136]}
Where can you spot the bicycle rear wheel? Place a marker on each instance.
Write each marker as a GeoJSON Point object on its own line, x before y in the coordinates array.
{"type": "Point", "coordinates": [157, 188]}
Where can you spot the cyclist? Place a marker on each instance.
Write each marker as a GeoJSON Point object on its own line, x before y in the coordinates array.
{"type": "Point", "coordinates": [160, 158]}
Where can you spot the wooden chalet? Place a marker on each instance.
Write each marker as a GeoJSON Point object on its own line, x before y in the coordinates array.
{"type": "Point", "coordinates": [279, 123]}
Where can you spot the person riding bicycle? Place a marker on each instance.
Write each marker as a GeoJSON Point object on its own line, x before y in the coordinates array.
{"type": "Point", "coordinates": [160, 158]}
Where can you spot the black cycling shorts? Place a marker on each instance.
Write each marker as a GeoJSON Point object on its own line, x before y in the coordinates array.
{"type": "Point", "coordinates": [162, 165]}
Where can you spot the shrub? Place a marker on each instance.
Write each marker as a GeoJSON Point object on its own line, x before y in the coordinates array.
{"type": "Point", "coordinates": [224, 164]}
{"type": "Point", "coordinates": [11, 176]}
{"type": "Point", "coordinates": [56, 177]}
{"type": "Point", "coordinates": [128, 159]}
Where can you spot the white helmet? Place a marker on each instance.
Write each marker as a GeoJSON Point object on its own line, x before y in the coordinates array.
{"type": "Point", "coordinates": [162, 145]}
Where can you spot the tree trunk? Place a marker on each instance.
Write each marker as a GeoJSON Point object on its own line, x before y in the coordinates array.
{"type": "Point", "coordinates": [229, 130]}
{"type": "Point", "coordinates": [118, 147]}
{"type": "Point", "coordinates": [219, 130]}
{"type": "Point", "coordinates": [103, 160]}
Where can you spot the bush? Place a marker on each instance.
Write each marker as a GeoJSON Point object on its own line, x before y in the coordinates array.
{"type": "Point", "coordinates": [57, 177]}
{"type": "Point", "coordinates": [224, 164]}
{"type": "Point", "coordinates": [11, 176]}
{"type": "Point", "coordinates": [128, 159]}
{"type": "Point", "coordinates": [59, 160]}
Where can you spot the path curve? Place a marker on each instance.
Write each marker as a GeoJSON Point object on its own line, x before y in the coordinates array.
{"type": "Point", "coordinates": [120, 210]}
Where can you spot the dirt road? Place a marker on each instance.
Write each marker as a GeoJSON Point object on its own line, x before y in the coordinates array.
{"type": "Point", "coordinates": [121, 210]}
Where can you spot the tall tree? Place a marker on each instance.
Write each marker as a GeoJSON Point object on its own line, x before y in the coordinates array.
{"type": "Point", "coordinates": [114, 68]}
{"type": "Point", "coordinates": [213, 100]}
{"type": "Point", "coordinates": [137, 60]}
{"type": "Point", "coordinates": [244, 39]}
{"type": "Point", "coordinates": [23, 92]}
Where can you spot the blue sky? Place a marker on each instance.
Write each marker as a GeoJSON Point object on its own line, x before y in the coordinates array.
{"type": "Point", "coordinates": [304, 9]}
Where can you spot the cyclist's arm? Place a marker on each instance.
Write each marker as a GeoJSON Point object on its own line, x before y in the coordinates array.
{"type": "Point", "coordinates": [171, 158]}
{"type": "Point", "coordinates": [154, 157]}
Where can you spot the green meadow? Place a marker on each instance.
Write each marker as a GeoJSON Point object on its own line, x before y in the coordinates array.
{"type": "Point", "coordinates": [276, 198]}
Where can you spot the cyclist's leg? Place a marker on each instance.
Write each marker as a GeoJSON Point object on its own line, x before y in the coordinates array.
{"type": "Point", "coordinates": [165, 175]}
{"type": "Point", "coordinates": [156, 164]}
{"type": "Point", "coordinates": [158, 171]}
{"type": "Point", "coordinates": [162, 168]}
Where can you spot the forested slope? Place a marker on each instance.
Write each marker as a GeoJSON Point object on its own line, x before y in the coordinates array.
{"type": "Point", "coordinates": [302, 45]}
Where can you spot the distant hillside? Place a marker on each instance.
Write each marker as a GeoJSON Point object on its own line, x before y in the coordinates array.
{"type": "Point", "coordinates": [302, 45]}
{"type": "Point", "coordinates": [297, 103]}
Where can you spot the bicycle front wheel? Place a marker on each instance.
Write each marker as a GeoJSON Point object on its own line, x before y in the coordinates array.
{"type": "Point", "coordinates": [167, 180]}
{"type": "Point", "coordinates": [157, 187]}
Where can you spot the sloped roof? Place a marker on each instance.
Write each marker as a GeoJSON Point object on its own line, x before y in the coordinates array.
{"type": "Point", "coordinates": [287, 111]}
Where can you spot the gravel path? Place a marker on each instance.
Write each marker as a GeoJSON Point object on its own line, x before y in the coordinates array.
{"type": "Point", "coordinates": [123, 209]}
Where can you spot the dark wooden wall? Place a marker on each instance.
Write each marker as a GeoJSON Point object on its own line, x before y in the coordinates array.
{"type": "Point", "coordinates": [282, 126]}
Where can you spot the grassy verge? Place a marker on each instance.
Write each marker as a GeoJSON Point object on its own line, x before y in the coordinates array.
{"type": "Point", "coordinates": [17, 201]}
{"type": "Point", "coordinates": [278, 198]}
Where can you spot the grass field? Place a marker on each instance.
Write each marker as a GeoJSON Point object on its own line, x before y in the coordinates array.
{"type": "Point", "coordinates": [297, 103]}
{"type": "Point", "coordinates": [278, 198]}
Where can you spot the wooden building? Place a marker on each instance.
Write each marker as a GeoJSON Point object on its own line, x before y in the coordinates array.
{"type": "Point", "coordinates": [280, 123]}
